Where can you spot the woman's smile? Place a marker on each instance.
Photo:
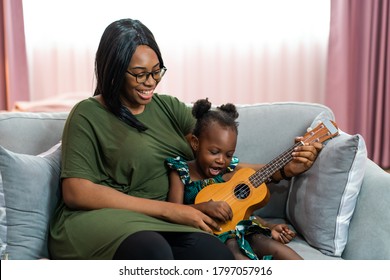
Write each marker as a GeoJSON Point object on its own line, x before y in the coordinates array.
{"type": "Point", "coordinates": [145, 94]}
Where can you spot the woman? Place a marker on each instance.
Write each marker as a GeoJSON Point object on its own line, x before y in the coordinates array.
{"type": "Point", "coordinates": [114, 182]}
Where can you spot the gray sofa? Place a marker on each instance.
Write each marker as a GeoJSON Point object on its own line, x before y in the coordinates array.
{"type": "Point", "coordinates": [30, 183]}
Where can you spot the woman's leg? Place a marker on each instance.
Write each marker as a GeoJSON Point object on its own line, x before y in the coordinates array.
{"type": "Point", "coordinates": [197, 246]}
{"type": "Point", "coordinates": [263, 245]}
{"type": "Point", "coordinates": [144, 245]}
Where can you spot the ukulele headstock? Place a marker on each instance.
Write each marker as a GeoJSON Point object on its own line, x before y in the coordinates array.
{"type": "Point", "coordinates": [322, 132]}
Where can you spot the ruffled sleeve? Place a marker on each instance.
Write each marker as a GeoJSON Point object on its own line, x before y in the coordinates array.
{"type": "Point", "coordinates": [233, 164]}
{"type": "Point", "coordinates": [180, 165]}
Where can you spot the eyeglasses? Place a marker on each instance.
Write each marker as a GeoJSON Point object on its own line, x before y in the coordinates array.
{"type": "Point", "coordinates": [144, 76]}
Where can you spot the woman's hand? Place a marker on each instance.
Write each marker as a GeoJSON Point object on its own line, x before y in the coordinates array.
{"type": "Point", "coordinates": [303, 158]}
{"type": "Point", "coordinates": [282, 233]}
{"type": "Point", "coordinates": [219, 210]}
{"type": "Point", "coordinates": [188, 215]}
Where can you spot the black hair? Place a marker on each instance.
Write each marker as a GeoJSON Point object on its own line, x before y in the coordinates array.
{"type": "Point", "coordinates": [225, 115]}
{"type": "Point", "coordinates": [116, 48]}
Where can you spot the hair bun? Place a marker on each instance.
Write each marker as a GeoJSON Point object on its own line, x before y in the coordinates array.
{"type": "Point", "coordinates": [201, 107]}
{"type": "Point", "coordinates": [229, 109]}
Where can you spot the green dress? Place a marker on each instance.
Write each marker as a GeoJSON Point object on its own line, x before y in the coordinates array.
{"type": "Point", "coordinates": [99, 147]}
{"type": "Point", "coordinates": [192, 188]}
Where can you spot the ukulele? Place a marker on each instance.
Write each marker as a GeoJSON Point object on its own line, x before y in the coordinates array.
{"type": "Point", "coordinates": [246, 191]}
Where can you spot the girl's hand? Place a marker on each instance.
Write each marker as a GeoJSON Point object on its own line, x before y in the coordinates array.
{"type": "Point", "coordinates": [282, 233]}
{"type": "Point", "coordinates": [303, 158]}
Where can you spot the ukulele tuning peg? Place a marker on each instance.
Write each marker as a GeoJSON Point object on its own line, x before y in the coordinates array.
{"type": "Point", "coordinates": [310, 128]}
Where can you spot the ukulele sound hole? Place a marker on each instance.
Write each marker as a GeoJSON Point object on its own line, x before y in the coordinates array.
{"type": "Point", "coordinates": [241, 191]}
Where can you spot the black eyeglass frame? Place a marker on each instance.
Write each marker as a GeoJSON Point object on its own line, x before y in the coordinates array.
{"type": "Point", "coordinates": [145, 75]}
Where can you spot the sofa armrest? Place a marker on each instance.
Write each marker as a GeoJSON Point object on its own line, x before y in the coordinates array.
{"type": "Point", "coordinates": [368, 236]}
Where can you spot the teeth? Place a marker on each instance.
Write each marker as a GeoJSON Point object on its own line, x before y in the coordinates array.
{"type": "Point", "coordinates": [146, 92]}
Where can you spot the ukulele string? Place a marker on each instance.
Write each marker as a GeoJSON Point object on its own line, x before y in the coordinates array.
{"type": "Point", "coordinates": [260, 177]}
{"type": "Point", "coordinates": [269, 169]}
{"type": "Point", "coordinates": [319, 134]}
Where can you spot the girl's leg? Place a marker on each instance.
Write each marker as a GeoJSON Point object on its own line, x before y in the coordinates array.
{"type": "Point", "coordinates": [263, 245]}
{"type": "Point", "coordinates": [235, 249]}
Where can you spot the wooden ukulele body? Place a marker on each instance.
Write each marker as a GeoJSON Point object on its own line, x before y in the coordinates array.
{"type": "Point", "coordinates": [239, 193]}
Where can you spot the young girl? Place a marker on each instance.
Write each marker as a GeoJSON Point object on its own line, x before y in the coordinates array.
{"type": "Point", "coordinates": [214, 142]}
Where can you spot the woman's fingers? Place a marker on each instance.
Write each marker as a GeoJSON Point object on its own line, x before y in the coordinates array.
{"type": "Point", "coordinates": [209, 224]}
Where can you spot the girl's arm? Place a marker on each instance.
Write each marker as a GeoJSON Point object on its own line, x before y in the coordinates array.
{"type": "Point", "coordinates": [219, 210]}
{"type": "Point", "coordinates": [176, 188]}
{"type": "Point", "coordinates": [279, 232]}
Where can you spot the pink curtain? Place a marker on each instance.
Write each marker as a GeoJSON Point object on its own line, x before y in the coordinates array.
{"type": "Point", "coordinates": [276, 52]}
{"type": "Point", "coordinates": [13, 59]}
{"type": "Point", "coordinates": [358, 80]}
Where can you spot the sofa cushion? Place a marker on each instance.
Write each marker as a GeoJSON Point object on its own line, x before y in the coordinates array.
{"type": "Point", "coordinates": [29, 191]}
{"type": "Point", "coordinates": [322, 200]}
{"type": "Point", "coordinates": [35, 132]}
